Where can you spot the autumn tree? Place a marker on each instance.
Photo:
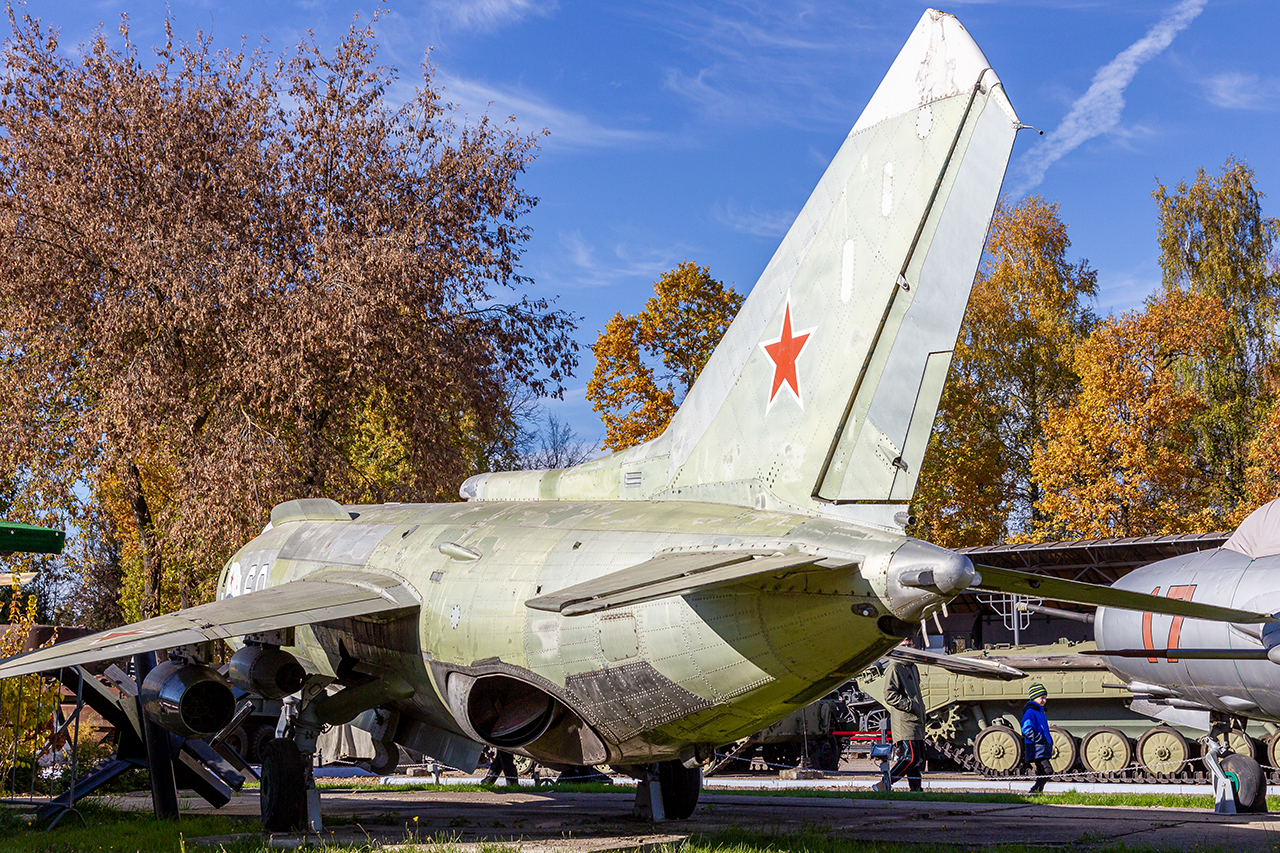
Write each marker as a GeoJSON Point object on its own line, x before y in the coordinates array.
{"type": "Point", "coordinates": [647, 362]}
{"type": "Point", "coordinates": [1117, 459]}
{"type": "Point", "coordinates": [1013, 363]}
{"type": "Point", "coordinates": [231, 279]}
{"type": "Point", "coordinates": [1215, 242]}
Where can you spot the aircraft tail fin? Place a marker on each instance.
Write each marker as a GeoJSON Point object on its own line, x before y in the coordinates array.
{"type": "Point", "coordinates": [824, 389]}
{"type": "Point", "coordinates": [826, 385]}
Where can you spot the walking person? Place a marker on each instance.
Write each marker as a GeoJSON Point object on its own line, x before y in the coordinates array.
{"type": "Point", "coordinates": [906, 719]}
{"type": "Point", "coordinates": [505, 763]}
{"type": "Point", "coordinates": [1037, 741]}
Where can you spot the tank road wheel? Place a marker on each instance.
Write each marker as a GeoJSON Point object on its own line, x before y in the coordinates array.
{"type": "Point", "coordinates": [260, 737]}
{"type": "Point", "coordinates": [237, 740]}
{"type": "Point", "coordinates": [1162, 751]}
{"type": "Point", "coordinates": [283, 799]}
{"type": "Point", "coordinates": [1272, 754]}
{"type": "Point", "coordinates": [998, 749]}
{"type": "Point", "coordinates": [680, 788]}
{"type": "Point", "coordinates": [1241, 744]}
{"type": "Point", "coordinates": [825, 755]}
{"type": "Point", "coordinates": [1065, 751]}
{"type": "Point", "coordinates": [1105, 751]}
{"type": "Point", "coordinates": [1247, 782]}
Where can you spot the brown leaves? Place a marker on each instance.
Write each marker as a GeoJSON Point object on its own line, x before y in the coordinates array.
{"type": "Point", "coordinates": [255, 280]}
{"type": "Point", "coordinates": [678, 328]}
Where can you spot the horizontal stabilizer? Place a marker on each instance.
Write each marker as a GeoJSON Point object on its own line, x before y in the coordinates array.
{"type": "Point", "coordinates": [320, 598]}
{"type": "Point", "coordinates": [664, 576]}
{"type": "Point", "coordinates": [976, 667]}
{"type": "Point", "coordinates": [1188, 654]}
{"type": "Point", "coordinates": [1058, 589]}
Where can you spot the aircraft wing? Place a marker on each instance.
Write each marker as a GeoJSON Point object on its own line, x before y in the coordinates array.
{"type": "Point", "coordinates": [1076, 592]}
{"type": "Point", "coordinates": [977, 667]}
{"type": "Point", "coordinates": [666, 575]}
{"type": "Point", "coordinates": [318, 598]}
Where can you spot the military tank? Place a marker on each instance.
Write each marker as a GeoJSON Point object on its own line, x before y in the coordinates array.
{"type": "Point", "coordinates": [976, 722]}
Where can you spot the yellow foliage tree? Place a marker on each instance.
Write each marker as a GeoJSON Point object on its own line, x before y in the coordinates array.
{"type": "Point", "coordinates": [676, 332]}
{"type": "Point", "coordinates": [1214, 241]}
{"type": "Point", "coordinates": [1117, 460]}
{"type": "Point", "coordinates": [1012, 363]}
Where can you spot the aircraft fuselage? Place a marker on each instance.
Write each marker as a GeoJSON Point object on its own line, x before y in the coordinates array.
{"type": "Point", "coordinates": [647, 680]}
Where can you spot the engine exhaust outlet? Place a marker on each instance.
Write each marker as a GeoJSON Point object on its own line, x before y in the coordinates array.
{"type": "Point", "coordinates": [266, 671]}
{"type": "Point", "coordinates": [190, 700]}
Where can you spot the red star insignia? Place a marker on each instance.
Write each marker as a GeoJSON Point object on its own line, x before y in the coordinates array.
{"type": "Point", "coordinates": [117, 634]}
{"type": "Point", "coordinates": [783, 352]}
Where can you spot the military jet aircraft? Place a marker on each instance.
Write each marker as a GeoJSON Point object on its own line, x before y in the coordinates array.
{"type": "Point", "coordinates": [642, 608]}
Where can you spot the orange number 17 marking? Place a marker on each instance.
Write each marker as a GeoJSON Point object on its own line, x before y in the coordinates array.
{"type": "Point", "coordinates": [1181, 593]}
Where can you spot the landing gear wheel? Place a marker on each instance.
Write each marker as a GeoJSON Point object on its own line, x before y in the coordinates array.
{"type": "Point", "coordinates": [386, 759]}
{"type": "Point", "coordinates": [283, 796]}
{"type": "Point", "coordinates": [998, 749]}
{"type": "Point", "coordinates": [1105, 751]}
{"type": "Point", "coordinates": [1065, 751]}
{"type": "Point", "coordinates": [1247, 783]}
{"type": "Point", "coordinates": [1162, 751]}
{"type": "Point", "coordinates": [680, 788]}
{"type": "Point", "coordinates": [524, 764]}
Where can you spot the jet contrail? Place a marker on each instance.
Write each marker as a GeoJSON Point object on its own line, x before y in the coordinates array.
{"type": "Point", "coordinates": [1098, 110]}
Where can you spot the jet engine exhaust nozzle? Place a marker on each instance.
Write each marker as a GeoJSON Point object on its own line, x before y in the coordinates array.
{"type": "Point", "coordinates": [190, 700]}
{"type": "Point", "coordinates": [266, 671]}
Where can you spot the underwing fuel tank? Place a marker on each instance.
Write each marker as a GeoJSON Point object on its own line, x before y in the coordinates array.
{"type": "Point", "coordinates": [1232, 673]}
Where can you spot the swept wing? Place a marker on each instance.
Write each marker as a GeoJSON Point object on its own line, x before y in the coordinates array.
{"type": "Point", "coordinates": [1060, 589]}
{"type": "Point", "coordinates": [318, 598]}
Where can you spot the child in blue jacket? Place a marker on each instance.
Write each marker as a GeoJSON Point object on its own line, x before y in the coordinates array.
{"type": "Point", "coordinates": [1036, 740]}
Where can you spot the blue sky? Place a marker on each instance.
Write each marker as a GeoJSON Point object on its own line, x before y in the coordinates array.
{"type": "Point", "coordinates": [691, 130]}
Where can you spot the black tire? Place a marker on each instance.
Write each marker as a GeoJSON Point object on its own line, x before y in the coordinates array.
{"type": "Point", "coordinates": [284, 795]}
{"type": "Point", "coordinates": [259, 737]}
{"type": "Point", "coordinates": [389, 761]}
{"type": "Point", "coordinates": [680, 788]}
{"type": "Point", "coordinates": [824, 755]}
{"type": "Point", "coordinates": [1247, 781]}
{"type": "Point", "coordinates": [237, 741]}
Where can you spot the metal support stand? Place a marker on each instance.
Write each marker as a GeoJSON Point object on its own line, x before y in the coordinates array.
{"type": "Point", "coordinates": [1224, 795]}
{"type": "Point", "coordinates": [649, 796]}
{"type": "Point", "coordinates": [164, 785]}
{"type": "Point", "coordinates": [75, 755]}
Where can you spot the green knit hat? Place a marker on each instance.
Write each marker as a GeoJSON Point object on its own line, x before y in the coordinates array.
{"type": "Point", "coordinates": [1036, 691]}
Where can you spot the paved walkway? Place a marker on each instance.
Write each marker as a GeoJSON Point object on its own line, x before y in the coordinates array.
{"type": "Point", "coordinates": [546, 822]}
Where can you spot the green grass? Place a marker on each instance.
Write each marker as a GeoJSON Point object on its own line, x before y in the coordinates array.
{"type": "Point", "coordinates": [362, 783]}
{"type": "Point", "coordinates": [114, 830]}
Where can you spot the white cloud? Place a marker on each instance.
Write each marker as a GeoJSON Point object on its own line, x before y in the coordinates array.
{"type": "Point", "coordinates": [487, 14]}
{"type": "Point", "coordinates": [1235, 91]}
{"type": "Point", "coordinates": [568, 129]}
{"type": "Point", "coordinates": [582, 265]}
{"type": "Point", "coordinates": [761, 223]}
{"type": "Point", "coordinates": [1098, 110]}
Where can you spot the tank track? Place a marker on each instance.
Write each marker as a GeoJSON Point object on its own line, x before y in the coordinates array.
{"type": "Point", "coordinates": [1194, 772]}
